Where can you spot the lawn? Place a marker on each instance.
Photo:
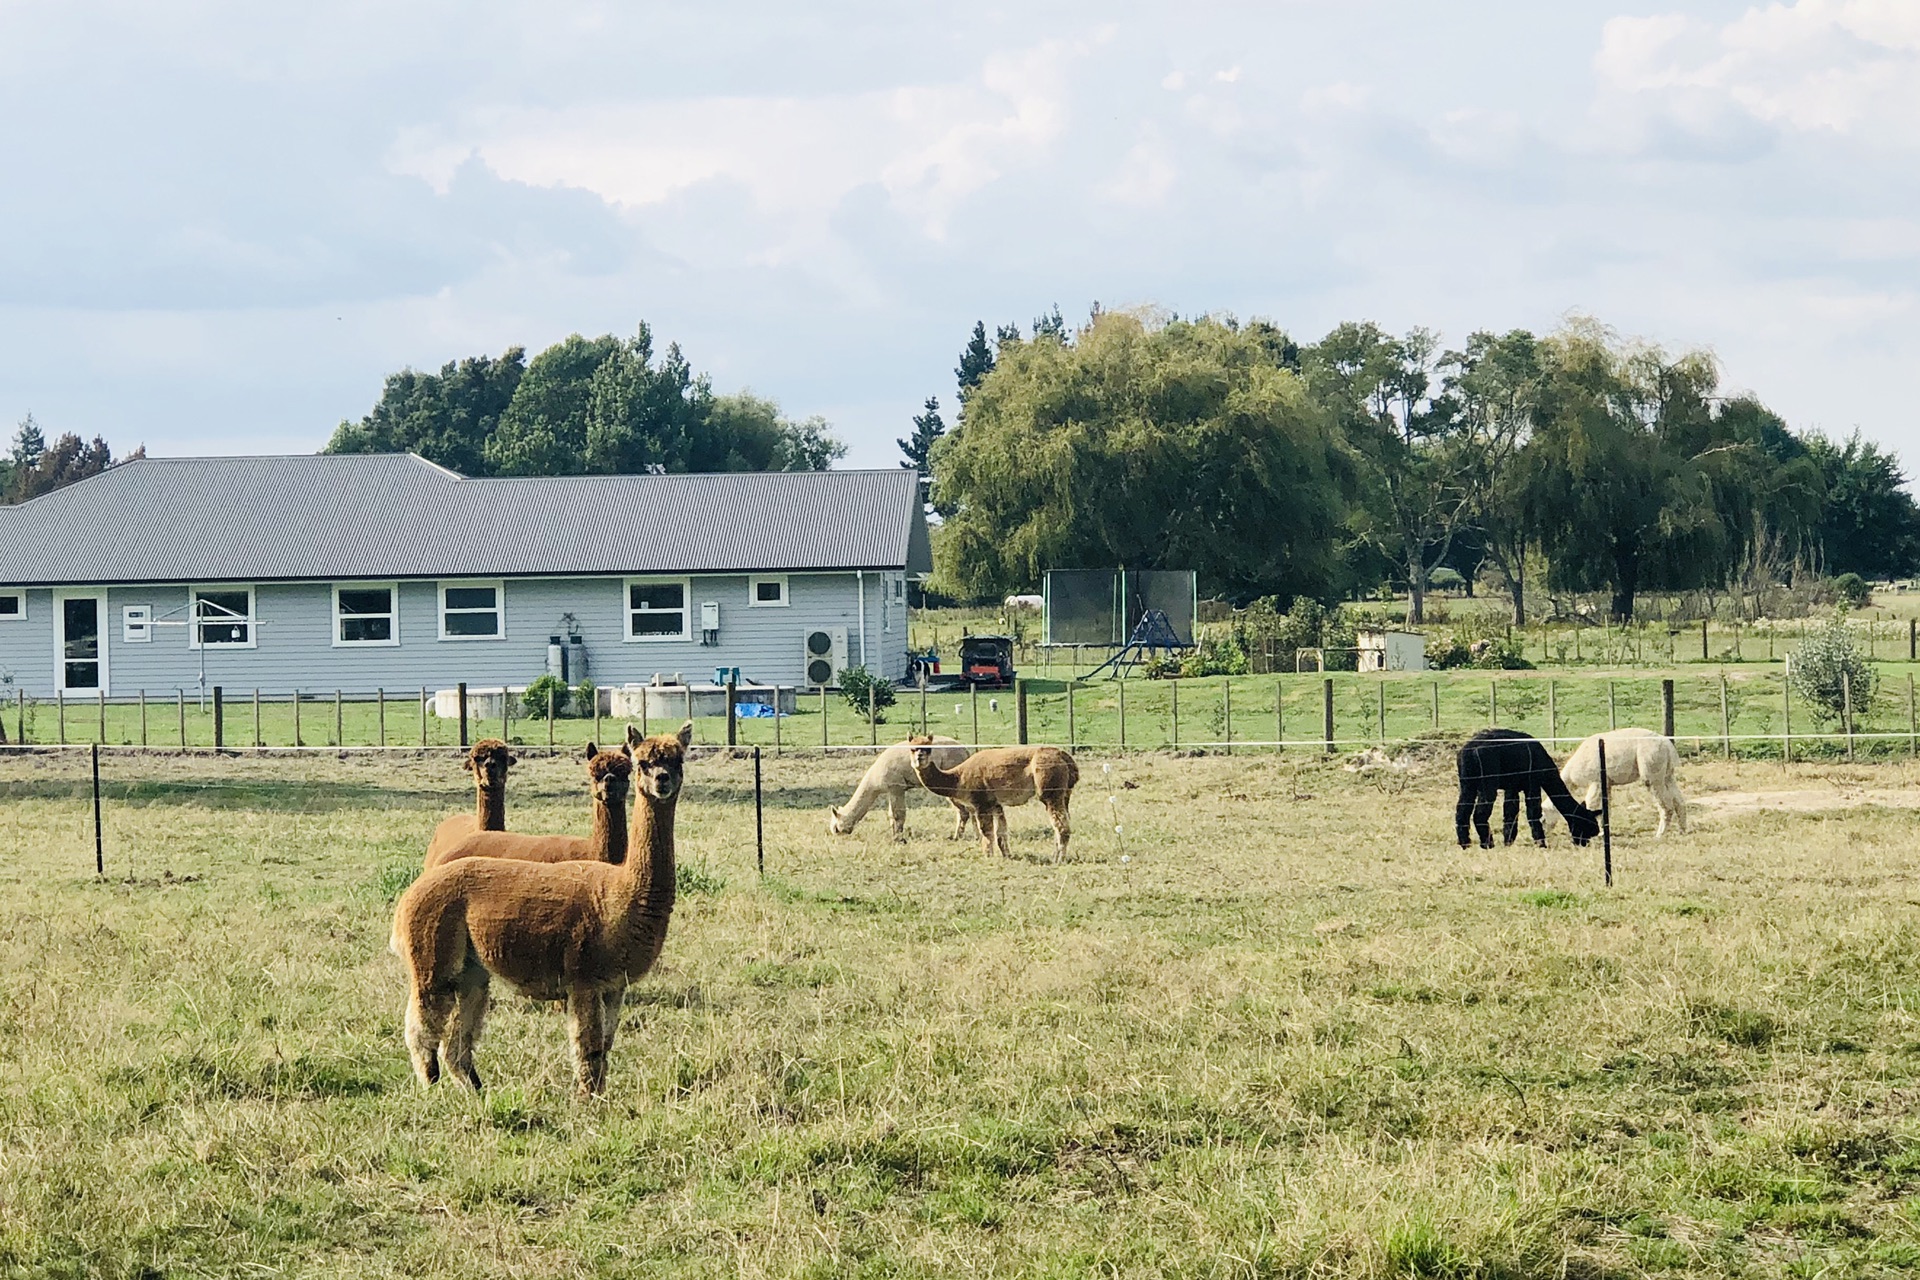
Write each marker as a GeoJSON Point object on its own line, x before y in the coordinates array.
{"type": "Point", "coordinates": [1274, 1025]}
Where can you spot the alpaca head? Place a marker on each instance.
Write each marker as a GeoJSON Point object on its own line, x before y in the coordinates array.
{"type": "Point", "coordinates": [1583, 825]}
{"type": "Point", "coordinates": [488, 763]}
{"type": "Point", "coordinates": [833, 820]}
{"type": "Point", "coordinates": [920, 751]}
{"type": "Point", "coordinates": [609, 775]}
{"type": "Point", "coordinates": [660, 761]}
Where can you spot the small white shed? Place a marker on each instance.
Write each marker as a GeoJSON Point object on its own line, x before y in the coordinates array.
{"type": "Point", "coordinates": [1391, 650]}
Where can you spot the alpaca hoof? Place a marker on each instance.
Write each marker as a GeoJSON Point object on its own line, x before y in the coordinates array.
{"type": "Point", "coordinates": [1487, 843]}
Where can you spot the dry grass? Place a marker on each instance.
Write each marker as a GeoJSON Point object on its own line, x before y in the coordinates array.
{"type": "Point", "coordinates": [1292, 1031]}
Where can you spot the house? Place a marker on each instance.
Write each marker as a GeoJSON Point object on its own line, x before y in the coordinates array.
{"type": "Point", "coordinates": [360, 572]}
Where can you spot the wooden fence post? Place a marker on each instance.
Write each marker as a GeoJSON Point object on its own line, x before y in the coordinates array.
{"type": "Point", "coordinates": [1279, 716]}
{"type": "Point", "coordinates": [1326, 711]}
{"type": "Point", "coordinates": [219, 718]}
{"type": "Point", "coordinates": [1613, 716]}
{"type": "Point", "coordinates": [1786, 720]}
{"type": "Point", "coordinates": [1553, 713]}
{"type": "Point", "coordinates": [1726, 723]}
{"type": "Point", "coordinates": [339, 721]}
{"type": "Point", "coordinates": [1173, 707]}
{"type": "Point", "coordinates": [1436, 704]}
{"type": "Point", "coordinates": [779, 706]}
{"type": "Point", "coordinates": [823, 717]}
{"type": "Point", "coordinates": [733, 722]}
{"type": "Point", "coordinates": [143, 715]}
{"type": "Point", "coordinates": [1846, 709]}
{"type": "Point", "coordinates": [180, 705]}
{"type": "Point", "coordinates": [1226, 711]}
{"type": "Point", "coordinates": [102, 736]}
{"type": "Point", "coordinates": [1120, 688]}
{"type": "Point", "coordinates": [1020, 709]}
{"type": "Point", "coordinates": [1073, 732]}
{"type": "Point", "coordinates": [1493, 703]}
{"type": "Point", "coordinates": [1666, 709]}
{"type": "Point", "coordinates": [461, 693]}
{"type": "Point", "coordinates": [973, 701]}
{"type": "Point", "coordinates": [549, 718]}
{"type": "Point", "coordinates": [423, 714]}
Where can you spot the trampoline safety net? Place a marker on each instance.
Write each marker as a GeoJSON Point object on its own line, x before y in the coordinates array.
{"type": "Point", "coordinates": [1100, 607]}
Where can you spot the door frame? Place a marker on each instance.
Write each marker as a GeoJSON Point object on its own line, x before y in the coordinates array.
{"type": "Point", "coordinates": [60, 597]}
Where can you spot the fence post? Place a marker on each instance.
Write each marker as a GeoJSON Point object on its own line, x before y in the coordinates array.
{"type": "Point", "coordinates": [1020, 710]}
{"type": "Point", "coordinates": [1226, 711]}
{"type": "Point", "coordinates": [1326, 711]}
{"type": "Point", "coordinates": [1073, 732]}
{"type": "Point", "coordinates": [873, 716]}
{"type": "Point", "coordinates": [1613, 718]}
{"type": "Point", "coordinates": [1493, 703]}
{"type": "Point", "coordinates": [339, 721]}
{"type": "Point", "coordinates": [143, 715]}
{"type": "Point", "coordinates": [973, 698]}
{"type": "Point", "coordinates": [463, 719]}
{"type": "Point", "coordinates": [1666, 709]}
{"type": "Point", "coordinates": [923, 704]}
{"type": "Point", "coordinates": [506, 712]}
{"type": "Point", "coordinates": [759, 812]}
{"type": "Point", "coordinates": [779, 705]}
{"type": "Point", "coordinates": [1786, 719]}
{"type": "Point", "coordinates": [1120, 688]}
{"type": "Point", "coordinates": [423, 713]}
{"type": "Point", "coordinates": [646, 705]}
{"type": "Point", "coordinates": [180, 705]}
{"type": "Point", "coordinates": [1383, 713]}
{"type": "Point", "coordinates": [1606, 817]}
{"type": "Point", "coordinates": [103, 715]}
{"type": "Point", "coordinates": [219, 717]}
{"type": "Point", "coordinates": [60, 699]}
{"type": "Point", "coordinates": [1913, 624]}
{"type": "Point", "coordinates": [1173, 708]}
{"type": "Point", "coordinates": [689, 704]}
{"type": "Point", "coordinates": [823, 717]}
{"type": "Point", "coordinates": [1279, 716]}
{"type": "Point", "coordinates": [1726, 723]}
{"type": "Point", "coordinates": [1553, 714]}
{"type": "Point", "coordinates": [1703, 639]}
{"type": "Point", "coordinates": [379, 703]}
{"type": "Point", "coordinates": [1846, 709]}
{"type": "Point", "coordinates": [23, 713]}
{"type": "Point", "coordinates": [1436, 704]}
{"type": "Point", "coordinates": [462, 695]}
{"type": "Point", "coordinates": [99, 841]}
{"type": "Point", "coordinates": [299, 742]}
{"type": "Point", "coordinates": [733, 696]}
{"type": "Point", "coordinates": [1913, 744]}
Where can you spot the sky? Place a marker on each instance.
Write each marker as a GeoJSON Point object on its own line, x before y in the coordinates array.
{"type": "Point", "coordinates": [222, 224]}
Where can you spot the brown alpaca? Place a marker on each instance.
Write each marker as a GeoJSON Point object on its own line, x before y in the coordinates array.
{"type": "Point", "coordinates": [488, 762]}
{"type": "Point", "coordinates": [578, 931]}
{"type": "Point", "coordinates": [992, 781]}
{"type": "Point", "coordinates": [524, 847]}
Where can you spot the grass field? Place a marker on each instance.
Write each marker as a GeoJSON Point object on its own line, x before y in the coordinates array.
{"type": "Point", "coordinates": [1276, 1026]}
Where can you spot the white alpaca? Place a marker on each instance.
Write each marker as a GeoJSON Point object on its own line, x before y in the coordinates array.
{"type": "Point", "coordinates": [1633, 755]}
{"type": "Point", "coordinates": [891, 775]}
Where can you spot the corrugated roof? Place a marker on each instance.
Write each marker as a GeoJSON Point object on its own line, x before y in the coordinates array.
{"type": "Point", "coordinates": [333, 516]}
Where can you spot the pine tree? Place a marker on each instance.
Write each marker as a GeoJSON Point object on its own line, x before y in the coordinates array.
{"type": "Point", "coordinates": [1052, 325]}
{"type": "Point", "coordinates": [918, 448]}
{"type": "Point", "coordinates": [976, 360]}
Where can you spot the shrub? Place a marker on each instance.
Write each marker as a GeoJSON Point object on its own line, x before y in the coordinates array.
{"type": "Point", "coordinates": [1853, 590]}
{"type": "Point", "coordinates": [856, 682]}
{"type": "Point", "coordinates": [1821, 662]}
{"type": "Point", "coordinates": [535, 698]}
{"type": "Point", "coordinates": [1215, 655]}
{"type": "Point", "coordinates": [585, 698]}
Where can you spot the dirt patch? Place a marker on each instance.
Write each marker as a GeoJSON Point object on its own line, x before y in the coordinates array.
{"type": "Point", "coordinates": [1804, 800]}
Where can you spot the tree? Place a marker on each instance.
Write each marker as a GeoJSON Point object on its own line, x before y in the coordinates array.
{"type": "Point", "coordinates": [1182, 446]}
{"type": "Point", "coordinates": [544, 429]}
{"type": "Point", "coordinates": [1496, 381]}
{"type": "Point", "coordinates": [1052, 325]}
{"type": "Point", "coordinates": [644, 415]}
{"type": "Point", "coordinates": [67, 461]}
{"type": "Point", "coordinates": [1404, 441]}
{"type": "Point", "coordinates": [976, 360]}
{"type": "Point", "coordinates": [446, 417]}
{"type": "Point", "coordinates": [746, 432]}
{"type": "Point", "coordinates": [917, 448]}
{"type": "Point", "coordinates": [1868, 524]}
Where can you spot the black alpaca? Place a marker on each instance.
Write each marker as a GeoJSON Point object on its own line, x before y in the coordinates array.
{"type": "Point", "coordinates": [1507, 760]}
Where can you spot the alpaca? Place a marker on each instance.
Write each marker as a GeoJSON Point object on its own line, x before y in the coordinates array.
{"type": "Point", "coordinates": [891, 775]}
{"type": "Point", "coordinates": [578, 930]}
{"type": "Point", "coordinates": [1633, 755]}
{"type": "Point", "coordinates": [488, 762]}
{"type": "Point", "coordinates": [991, 781]}
{"type": "Point", "coordinates": [1495, 760]}
{"type": "Point", "coordinates": [493, 842]}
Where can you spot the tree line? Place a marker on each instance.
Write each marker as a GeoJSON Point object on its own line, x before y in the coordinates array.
{"type": "Point", "coordinates": [583, 406]}
{"type": "Point", "coordinates": [1577, 460]}
{"type": "Point", "coordinates": [32, 467]}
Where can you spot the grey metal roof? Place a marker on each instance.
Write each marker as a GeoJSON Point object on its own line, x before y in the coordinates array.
{"type": "Point", "coordinates": [335, 516]}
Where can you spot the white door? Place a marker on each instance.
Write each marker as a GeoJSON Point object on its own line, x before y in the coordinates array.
{"type": "Point", "coordinates": [80, 642]}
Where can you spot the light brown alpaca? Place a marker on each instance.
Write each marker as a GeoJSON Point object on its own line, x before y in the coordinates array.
{"type": "Point", "coordinates": [992, 781]}
{"type": "Point", "coordinates": [488, 762]}
{"type": "Point", "coordinates": [578, 931]}
{"type": "Point", "coordinates": [891, 776]}
{"type": "Point", "coordinates": [524, 847]}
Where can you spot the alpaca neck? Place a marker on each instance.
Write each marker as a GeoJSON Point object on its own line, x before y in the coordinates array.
{"type": "Point", "coordinates": [865, 796]}
{"type": "Point", "coordinates": [650, 854]}
{"type": "Point", "coordinates": [490, 808]}
{"type": "Point", "coordinates": [940, 781]}
{"type": "Point", "coordinates": [608, 836]}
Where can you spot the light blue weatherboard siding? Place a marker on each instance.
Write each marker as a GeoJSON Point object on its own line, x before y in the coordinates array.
{"type": "Point", "coordinates": [294, 637]}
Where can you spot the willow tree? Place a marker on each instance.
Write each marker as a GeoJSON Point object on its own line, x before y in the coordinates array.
{"type": "Point", "coordinates": [1182, 445]}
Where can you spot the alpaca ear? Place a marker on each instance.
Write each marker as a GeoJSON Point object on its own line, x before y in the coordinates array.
{"type": "Point", "coordinates": [512, 759]}
{"type": "Point", "coordinates": [466, 762]}
{"type": "Point", "coordinates": [686, 733]}
{"type": "Point", "coordinates": [634, 737]}
{"type": "Point", "coordinates": [593, 749]}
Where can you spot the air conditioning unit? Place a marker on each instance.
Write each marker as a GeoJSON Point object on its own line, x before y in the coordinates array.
{"type": "Point", "coordinates": [824, 656]}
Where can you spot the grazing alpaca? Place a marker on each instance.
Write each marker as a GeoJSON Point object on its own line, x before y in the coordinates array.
{"type": "Point", "coordinates": [577, 931]}
{"type": "Point", "coordinates": [891, 775]}
{"type": "Point", "coordinates": [991, 781]}
{"type": "Point", "coordinates": [1633, 755]}
{"type": "Point", "coordinates": [488, 762]}
{"type": "Point", "coordinates": [1495, 760]}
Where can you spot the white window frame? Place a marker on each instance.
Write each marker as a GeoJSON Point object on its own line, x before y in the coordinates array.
{"type": "Point", "coordinates": [392, 615]}
{"type": "Point", "coordinates": [499, 606]}
{"type": "Point", "coordinates": [753, 591]}
{"type": "Point", "coordinates": [21, 616]}
{"type": "Point", "coordinates": [194, 619]}
{"type": "Point", "coordinates": [627, 610]}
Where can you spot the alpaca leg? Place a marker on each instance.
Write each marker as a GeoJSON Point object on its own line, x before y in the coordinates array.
{"type": "Point", "coordinates": [1057, 811]}
{"type": "Point", "coordinates": [960, 815]}
{"type": "Point", "coordinates": [586, 1016]}
{"type": "Point", "coordinates": [470, 1003]}
{"type": "Point", "coordinates": [1534, 824]}
{"type": "Point", "coordinates": [427, 1013]}
{"type": "Point", "coordinates": [1592, 800]}
{"type": "Point", "coordinates": [1462, 812]}
{"type": "Point", "coordinates": [1482, 811]}
{"type": "Point", "coordinates": [897, 814]}
{"type": "Point", "coordinates": [985, 816]}
{"type": "Point", "coordinates": [1510, 815]}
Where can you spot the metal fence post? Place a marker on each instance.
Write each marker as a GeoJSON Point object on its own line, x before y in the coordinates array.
{"type": "Point", "coordinates": [1786, 719]}
{"type": "Point", "coordinates": [1613, 715]}
{"type": "Point", "coordinates": [60, 700]}
{"type": "Point", "coordinates": [99, 840]}
{"type": "Point", "coordinates": [1326, 711]}
{"type": "Point", "coordinates": [23, 713]}
{"type": "Point", "coordinates": [1606, 817]}
{"type": "Point", "coordinates": [1120, 688]}
{"type": "Point", "coordinates": [1072, 731]}
{"type": "Point", "coordinates": [1493, 703]}
{"type": "Point", "coordinates": [1436, 704]}
{"type": "Point", "coordinates": [779, 706]}
{"type": "Point", "coordinates": [1666, 709]}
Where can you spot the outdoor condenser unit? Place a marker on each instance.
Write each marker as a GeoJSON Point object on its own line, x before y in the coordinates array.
{"type": "Point", "coordinates": [824, 656]}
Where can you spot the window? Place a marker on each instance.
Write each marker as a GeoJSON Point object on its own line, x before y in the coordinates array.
{"type": "Point", "coordinates": [136, 624]}
{"type": "Point", "coordinates": [471, 611]}
{"type": "Point", "coordinates": [656, 608]}
{"type": "Point", "coordinates": [222, 618]}
{"type": "Point", "coordinates": [767, 593]}
{"type": "Point", "coordinates": [13, 606]}
{"type": "Point", "coordinates": [364, 614]}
